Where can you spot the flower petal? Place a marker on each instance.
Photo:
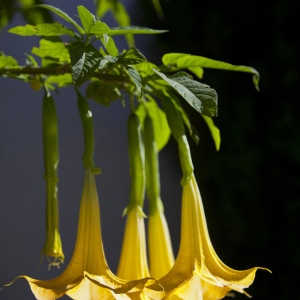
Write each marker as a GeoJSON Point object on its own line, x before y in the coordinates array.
{"type": "Point", "coordinates": [133, 261]}
{"type": "Point", "coordinates": [159, 244]}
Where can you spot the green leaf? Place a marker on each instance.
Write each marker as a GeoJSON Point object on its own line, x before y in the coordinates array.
{"type": "Point", "coordinates": [85, 60]}
{"type": "Point", "coordinates": [103, 92]}
{"type": "Point", "coordinates": [30, 61]}
{"type": "Point", "coordinates": [86, 18]}
{"type": "Point", "coordinates": [158, 8]}
{"type": "Point", "coordinates": [54, 48]}
{"type": "Point", "coordinates": [146, 68]}
{"type": "Point", "coordinates": [161, 128]}
{"type": "Point", "coordinates": [198, 71]}
{"type": "Point", "coordinates": [200, 96]}
{"type": "Point", "coordinates": [60, 80]}
{"type": "Point", "coordinates": [110, 45]}
{"type": "Point", "coordinates": [99, 28]}
{"type": "Point", "coordinates": [7, 61]}
{"type": "Point", "coordinates": [215, 132]}
{"type": "Point", "coordinates": [89, 22]}
{"type": "Point", "coordinates": [107, 62]}
{"type": "Point", "coordinates": [172, 58]}
{"type": "Point", "coordinates": [182, 60]}
{"type": "Point", "coordinates": [119, 12]}
{"type": "Point", "coordinates": [63, 15]}
{"type": "Point", "coordinates": [131, 57]}
{"type": "Point", "coordinates": [135, 78]}
{"type": "Point", "coordinates": [54, 29]}
{"type": "Point", "coordinates": [203, 62]}
{"type": "Point", "coordinates": [133, 30]}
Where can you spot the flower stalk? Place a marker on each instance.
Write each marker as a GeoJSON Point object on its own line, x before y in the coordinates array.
{"type": "Point", "coordinates": [133, 260]}
{"type": "Point", "coordinates": [160, 251]}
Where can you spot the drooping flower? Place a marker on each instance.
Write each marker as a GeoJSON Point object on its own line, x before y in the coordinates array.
{"type": "Point", "coordinates": [160, 251]}
{"type": "Point", "coordinates": [161, 255]}
{"type": "Point", "coordinates": [198, 273]}
{"type": "Point", "coordinates": [133, 261]}
{"type": "Point", "coordinates": [87, 276]}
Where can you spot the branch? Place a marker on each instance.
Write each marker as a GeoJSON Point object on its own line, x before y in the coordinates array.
{"type": "Point", "coordinates": [57, 70]}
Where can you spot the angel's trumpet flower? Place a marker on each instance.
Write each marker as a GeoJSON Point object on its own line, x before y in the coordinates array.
{"type": "Point", "coordinates": [161, 256]}
{"type": "Point", "coordinates": [87, 276]}
{"type": "Point", "coordinates": [198, 272]}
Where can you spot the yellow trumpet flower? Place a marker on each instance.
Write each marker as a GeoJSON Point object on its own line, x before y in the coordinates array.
{"type": "Point", "coordinates": [87, 276]}
{"type": "Point", "coordinates": [133, 261]}
{"type": "Point", "coordinates": [161, 255]}
{"type": "Point", "coordinates": [198, 273]}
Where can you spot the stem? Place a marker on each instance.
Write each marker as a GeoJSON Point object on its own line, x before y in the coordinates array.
{"type": "Point", "coordinates": [60, 70]}
{"type": "Point", "coordinates": [132, 108]}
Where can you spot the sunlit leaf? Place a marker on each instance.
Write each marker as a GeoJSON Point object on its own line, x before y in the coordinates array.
{"type": "Point", "coordinates": [203, 62]}
{"type": "Point", "coordinates": [85, 60]}
{"type": "Point", "coordinates": [133, 30]}
{"type": "Point", "coordinates": [89, 22]}
{"type": "Point", "coordinates": [7, 61]}
{"type": "Point", "coordinates": [215, 132]}
{"type": "Point", "coordinates": [146, 68]}
{"type": "Point", "coordinates": [52, 48]}
{"type": "Point", "coordinates": [86, 18]}
{"type": "Point", "coordinates": [161, 128]}
{"type": "Point", "coordinates": [63, 15]}
{"type": "Point", "coordinates": [200, 96]}
{"type": "Point", "coordinates": [99, 28]}
{"type": "Point", "coordinates": [110, 45]}
{"type": "Point", "coordinates": [60, 80]}
{"type": "Point", "coordinates": [119, 12]}
{"type": "Point", "coordinates": [54, 29]}
{"type": "Point", "coordinates": [172, 58]}
{"type": "Point", "coordinates": [182, 60]}
{"type": "Point", "coordinates": [198, 71]}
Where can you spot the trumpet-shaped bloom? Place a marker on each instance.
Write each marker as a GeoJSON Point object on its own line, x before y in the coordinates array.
{"type": "Point", "coordinates": [161, 255]}
{"type": "Point", "coordinates": [133, 261]}
{"type": "Point", "coordinates": [87, 276]}
{"type": "Point", "coordinates": [198, 273]}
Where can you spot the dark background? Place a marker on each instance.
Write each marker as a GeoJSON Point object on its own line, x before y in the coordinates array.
{"type": "Point", "coordinates": [249, 188]}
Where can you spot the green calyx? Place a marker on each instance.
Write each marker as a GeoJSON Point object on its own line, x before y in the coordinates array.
{"type": "Point", "coordinates": [152, 167]}
{"type": "Point", "coordinates": [53, 245]}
